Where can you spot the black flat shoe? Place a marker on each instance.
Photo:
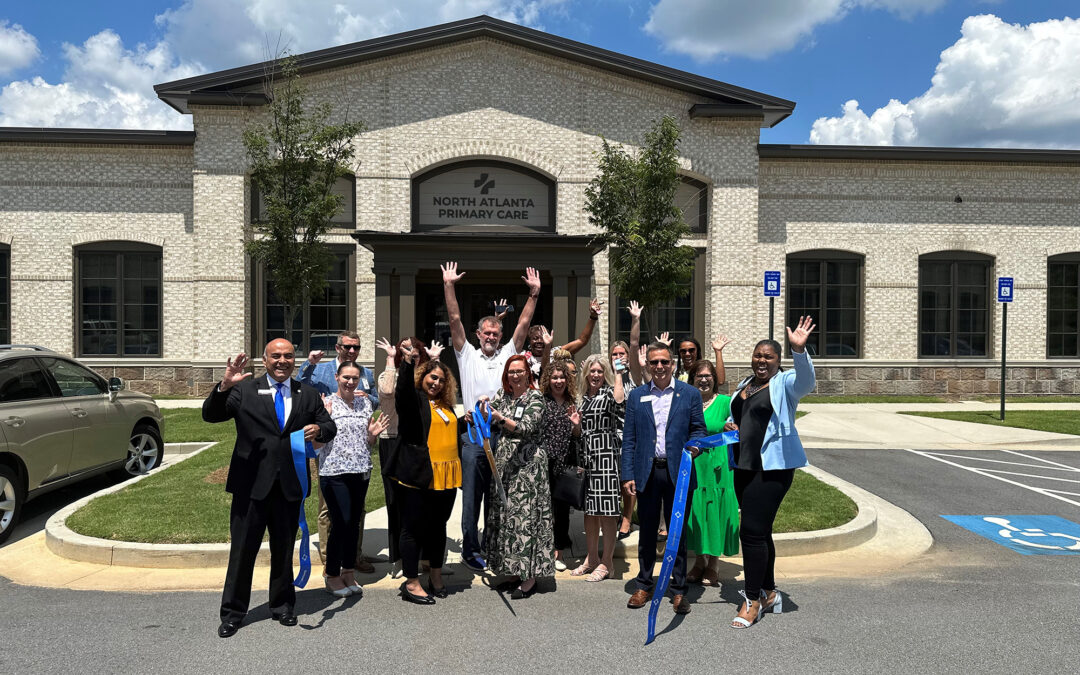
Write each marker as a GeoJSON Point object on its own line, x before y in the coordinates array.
{"type": "Point", "coordinates": [440, 593]}
{"type": "Point", "coordinates": [623, 535]}
{"type": "Point", "coordinates": [508, 585]}
{"type": "Point", "coordinates": [286, 618]}
{"type": "Point", "coordinates": [415, 599]}
{"type": "Point", "coordinates": [227, 629]}
{"type": "Point", "coordinates": [519, 594]}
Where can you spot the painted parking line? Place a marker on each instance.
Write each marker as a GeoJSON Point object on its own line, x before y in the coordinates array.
{"type": "Point", "coordinates": [1048, 465]}
{"type": "Point", "coordinates": [1028, 535]}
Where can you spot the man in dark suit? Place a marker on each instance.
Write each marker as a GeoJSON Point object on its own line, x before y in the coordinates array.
{"type": "Point", "coordinates": [262, 478]}
{"type": "Point", "coordinates": [661, 417]}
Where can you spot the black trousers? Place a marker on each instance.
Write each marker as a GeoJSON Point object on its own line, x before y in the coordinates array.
{"type": "Point", "coordinates": [344, 495]}
{"type": "Point", "coordinates": [560, 523]}
{"type": "Point", "coordinates": [659, 493]}
{"type": "Point", "coordinates": [249, 519]}
{"type": "Point", "coordinates": [424, 514]}
{"type": "Point", "coordinates": [759, 494]}
{"type": "Point", "coordinates": [393, 518]}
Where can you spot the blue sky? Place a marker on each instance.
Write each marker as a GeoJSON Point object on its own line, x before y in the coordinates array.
{"type": "Point", "coordinates": [1008, 71]}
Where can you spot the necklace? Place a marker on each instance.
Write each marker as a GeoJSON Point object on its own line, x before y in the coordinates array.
{"type": "Point", "coordinates": [750, 389]}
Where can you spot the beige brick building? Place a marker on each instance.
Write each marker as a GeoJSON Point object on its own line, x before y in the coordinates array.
{"type": "Point", "coordinates": [126, 248]}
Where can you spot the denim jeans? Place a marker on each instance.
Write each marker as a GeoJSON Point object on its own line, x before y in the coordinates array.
{"type": "Point", "coordinates": [475, 482]}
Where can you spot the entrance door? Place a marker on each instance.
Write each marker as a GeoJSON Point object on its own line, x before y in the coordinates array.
{"type": "Point", "coordinates": [477, 294]}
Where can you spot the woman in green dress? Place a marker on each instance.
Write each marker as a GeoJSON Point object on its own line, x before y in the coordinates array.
{"type": "Point", "coordinates": [713, 527]}
{"type": "Point", "coordinates": [518, 530]}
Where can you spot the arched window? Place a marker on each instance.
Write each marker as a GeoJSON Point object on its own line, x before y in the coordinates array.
{"type": "Point", "coordinates": [1063, 306]}
{"type": "Point", "coordinates": [954, 304]}
{"type": "Point", "coordinates": [827, 285]}
{"type": "Point", "coordinates": [118, 286]}
{"type": "Point", "coordinates": [344, 187]}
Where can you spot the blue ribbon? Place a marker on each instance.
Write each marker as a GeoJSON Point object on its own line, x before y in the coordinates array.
{"type": "Point", "coordinates": [301, 451]}
{"type": "Point", "coordinates": [678, 514]}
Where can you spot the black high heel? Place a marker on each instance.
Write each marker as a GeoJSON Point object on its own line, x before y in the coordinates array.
{"type": "Point", "coordinates": [407, 596]}
{"type": "Point", "coordinates": [519, 594]}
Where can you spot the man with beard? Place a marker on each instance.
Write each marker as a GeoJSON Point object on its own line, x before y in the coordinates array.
{"type": "Point", "coordinates": [480, 372]}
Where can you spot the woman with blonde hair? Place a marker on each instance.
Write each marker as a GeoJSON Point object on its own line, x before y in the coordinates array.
{"type": "Point", "coordinates": [602, 404]}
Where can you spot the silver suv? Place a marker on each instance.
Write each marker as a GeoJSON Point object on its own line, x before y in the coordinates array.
{"type": "Point", "coordinates": [61, 422]}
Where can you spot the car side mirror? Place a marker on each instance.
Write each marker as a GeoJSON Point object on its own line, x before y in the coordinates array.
{"type": "Point", "coordinates": [116, 385]}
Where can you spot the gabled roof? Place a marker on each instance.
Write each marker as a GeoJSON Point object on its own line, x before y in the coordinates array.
{"type": "Point", "coordinates": [232, 87]}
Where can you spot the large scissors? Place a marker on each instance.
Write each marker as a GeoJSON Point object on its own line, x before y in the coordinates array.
{"type": "Point", "coordinates": [480, 434]}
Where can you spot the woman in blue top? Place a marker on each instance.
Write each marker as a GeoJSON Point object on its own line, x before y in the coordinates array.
{"type": "Point", "coordinates": [765, 459]}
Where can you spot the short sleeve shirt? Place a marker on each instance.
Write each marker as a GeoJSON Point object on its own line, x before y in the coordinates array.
{"type": "Point", "coordinates": [481, 375]}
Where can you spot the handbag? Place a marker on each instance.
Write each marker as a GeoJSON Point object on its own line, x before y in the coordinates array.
{"type": "Point", "coordinates": [570, 486]}
{"type": "Point", "coordinates": [409, 464]}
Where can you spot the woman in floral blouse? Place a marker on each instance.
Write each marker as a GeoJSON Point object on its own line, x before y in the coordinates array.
{"type": "Point", "coordinates": [519, 528]}
{"type": "Point", "coordinates": [344, 472]}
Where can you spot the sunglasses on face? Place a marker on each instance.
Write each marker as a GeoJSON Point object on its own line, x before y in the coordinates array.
{"type": "Point", "coordinates": [354, 348]}
{"type": "Point", "coordinates": [687, 351]}
{"type": "Point", "coordinates": [660, 362]}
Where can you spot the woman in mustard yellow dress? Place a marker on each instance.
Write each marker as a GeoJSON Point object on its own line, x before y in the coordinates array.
{"type": "Point", "coordinates": [424, 398]}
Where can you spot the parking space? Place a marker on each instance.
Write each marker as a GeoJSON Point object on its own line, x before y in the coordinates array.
{"type": "Point", "coordinates": [1057, 478]}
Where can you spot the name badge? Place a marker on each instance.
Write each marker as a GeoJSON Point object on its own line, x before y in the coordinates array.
{"type": "Point", "coordinates": [441, 414]}
{"type": "Point", "coordinates": [648, 399]}
{"type": "Point", "coordinates": [518, 412]}
{"type": "Point", "coordinates": [363, 383]}
{"type": "Point", "coordinates": [266, 391]}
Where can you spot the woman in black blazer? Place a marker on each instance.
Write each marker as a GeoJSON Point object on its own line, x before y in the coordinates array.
{"type": "Point", "coordinates": [424, 398]}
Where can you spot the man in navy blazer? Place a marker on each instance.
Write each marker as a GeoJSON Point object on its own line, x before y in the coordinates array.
{"type": "Point", "coordinates": [661, 417]}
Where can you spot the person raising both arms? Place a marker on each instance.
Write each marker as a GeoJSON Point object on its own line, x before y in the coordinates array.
{"type": "Point", "coordinates": [535, 344]}
{"type": "Point", "coordinates": [481, 376]}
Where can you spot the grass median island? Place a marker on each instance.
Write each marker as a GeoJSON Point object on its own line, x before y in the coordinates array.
{"type": "Point", "coordinates": [1057, 421]}
{"type": "Point", "coordinates": [187, 502]}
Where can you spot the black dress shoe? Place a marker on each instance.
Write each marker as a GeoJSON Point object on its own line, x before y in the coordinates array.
{"type": "Point", "coordinates": [228, 629]}
{"type": "Point", "coordinates": [286, 618]}
{"type": "Point", "coordinates": [440, 593]}
{"type": "Point", "coordinates": [510, 585]}
{"type": "Point", "coordinates": [415, 599]}
{"type": "Point", "coordinates": [519, 594]}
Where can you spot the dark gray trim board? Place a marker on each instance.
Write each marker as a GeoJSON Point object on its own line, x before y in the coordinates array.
{"type": "Point", "coordinates": [178, 94]}
{"type": "Point", "coordinates": [904, 153]}
{"type": "Point", "coordinates": [107, 136]}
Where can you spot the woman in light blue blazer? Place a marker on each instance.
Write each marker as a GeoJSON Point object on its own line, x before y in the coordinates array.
{"type": "Point", "coordinates": [764, 460]}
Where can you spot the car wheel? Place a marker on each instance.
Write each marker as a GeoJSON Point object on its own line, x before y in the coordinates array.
{"type": "Point", "coordinates": [145, 450]}
{"type": "Point", "coordinates": [11, 500]}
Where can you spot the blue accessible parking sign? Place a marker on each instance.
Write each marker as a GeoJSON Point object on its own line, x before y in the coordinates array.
{"type": "Point", "coordinates": [772, 284]}
{"type": "Point", "coordinates": [1029, 535]}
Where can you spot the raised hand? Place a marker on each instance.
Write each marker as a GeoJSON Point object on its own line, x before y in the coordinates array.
{"type": "Point", "coordinates": [664, 338]}
{"type": "Point", "coordinates": [234, 371]}
{"type": "Point", "coordinates": [531, 279]}
{"type": "Point", "coordinates": [594, 309]}
{"type": "Point", "coordinates": [386, 346]}
{"type": "Point", "coordinates": [375, 427]}
{"type": "Point", "coordinates": [797, 338]}
{"type": "Point", "coordinates": [643, 355]}
{"type": "Point", "coordinates": [501, 302]}
{"type": "Point", "coordinates": [327, 403]}
{"type": "Point", "coordinates": [408, 351]}
{"type": "Point", "coordinates": [575, 416]}
{"type": "Point", "coordinates": [315, 356]}
{"type": "Point", "coordinates": [720, 342]}
{"type": "Point", "coordinates": [434, 350]}
{"type": "Point", "coordinates": [635, 309]}
{"type": "Point", "coordinates": [546, 335]}
{"type": "Point", "coordinates": [450, 274]}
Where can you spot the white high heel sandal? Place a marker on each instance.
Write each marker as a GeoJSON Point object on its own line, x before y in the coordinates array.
{"type": "Point", "coordinates": [776, 606]}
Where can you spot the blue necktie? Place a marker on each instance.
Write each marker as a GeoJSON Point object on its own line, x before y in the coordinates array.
{"type": "Point", "coordinates": [279, 406]}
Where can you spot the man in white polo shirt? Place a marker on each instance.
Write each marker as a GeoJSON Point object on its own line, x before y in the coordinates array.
{"type": "Point", "coordinates": [480, 372]}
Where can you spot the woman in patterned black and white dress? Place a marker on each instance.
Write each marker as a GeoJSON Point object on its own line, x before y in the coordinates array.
{"type": "Point", "coordinates": [602, 404]}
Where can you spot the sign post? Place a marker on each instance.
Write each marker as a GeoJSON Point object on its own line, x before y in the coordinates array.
{"type": "Point", "coordinates": [1004, 296]}
{"type": "Point", "coordinates": [772, 292]}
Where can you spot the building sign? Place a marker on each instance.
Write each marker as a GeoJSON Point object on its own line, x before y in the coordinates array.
{"type": "Point", "coordinates": [483, 195]}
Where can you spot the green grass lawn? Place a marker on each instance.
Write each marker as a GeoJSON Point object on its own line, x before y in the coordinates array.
{"type": "Point", "coordinates": [1061, 398]}
{"type": "Point", "coordinates": [813, 505]}
{"type": "Point", "coordinates": [179, 505]}
{"type": "Point", "coordinates": [1059, 421]}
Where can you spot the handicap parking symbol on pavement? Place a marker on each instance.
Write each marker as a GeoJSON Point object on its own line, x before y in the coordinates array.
{"type": "Point", "coordinates": [1029, 535]}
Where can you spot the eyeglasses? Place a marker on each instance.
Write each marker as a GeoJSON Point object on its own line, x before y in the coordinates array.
{"type": "Point", "coordinates": [660, 362]}
{"type": "Point", "coordinates": [515, 372]}
{"type": "Point", "coordinates": [703, 376]}
{"type": "Point", "coordinates": [354, 348]}
{"type": "Point", "coordinates": [688, 351]}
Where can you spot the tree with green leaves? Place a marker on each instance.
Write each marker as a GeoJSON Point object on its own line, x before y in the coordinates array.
{"type": "Point", "coordinates": [295, 156]}
{"type": "Point", "coordinates": [632, 202]}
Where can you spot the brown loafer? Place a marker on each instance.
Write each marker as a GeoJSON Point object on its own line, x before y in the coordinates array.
{"type": "Point", "coordinates": [682, 605]}
{"type": "Point", "coordinates": [639, 599]}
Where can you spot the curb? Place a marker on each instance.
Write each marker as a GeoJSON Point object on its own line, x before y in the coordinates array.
{"type": "Point", "coordinates": [64, 542]}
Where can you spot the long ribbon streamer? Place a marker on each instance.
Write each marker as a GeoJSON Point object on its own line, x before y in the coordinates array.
{"type": "Point", "coordinates": [301, 451]}
{"type": "Point", "coordinates": [678, 513]}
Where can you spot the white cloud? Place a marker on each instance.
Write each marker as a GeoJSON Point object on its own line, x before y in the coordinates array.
{"type": "Point", "coordinates": [227, 33]}
{"type": "Point", "coordinates": [105, 86]}
{"type": "Point", "coordinates": [1002, 85]}
{"type": "Point", "coordinates": [706, 29]}
{"type": "Point", "coordinates": [17, 48]}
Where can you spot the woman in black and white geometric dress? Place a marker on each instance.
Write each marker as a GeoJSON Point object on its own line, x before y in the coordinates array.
{"type": "Point", "coordinates": [602, 405]}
